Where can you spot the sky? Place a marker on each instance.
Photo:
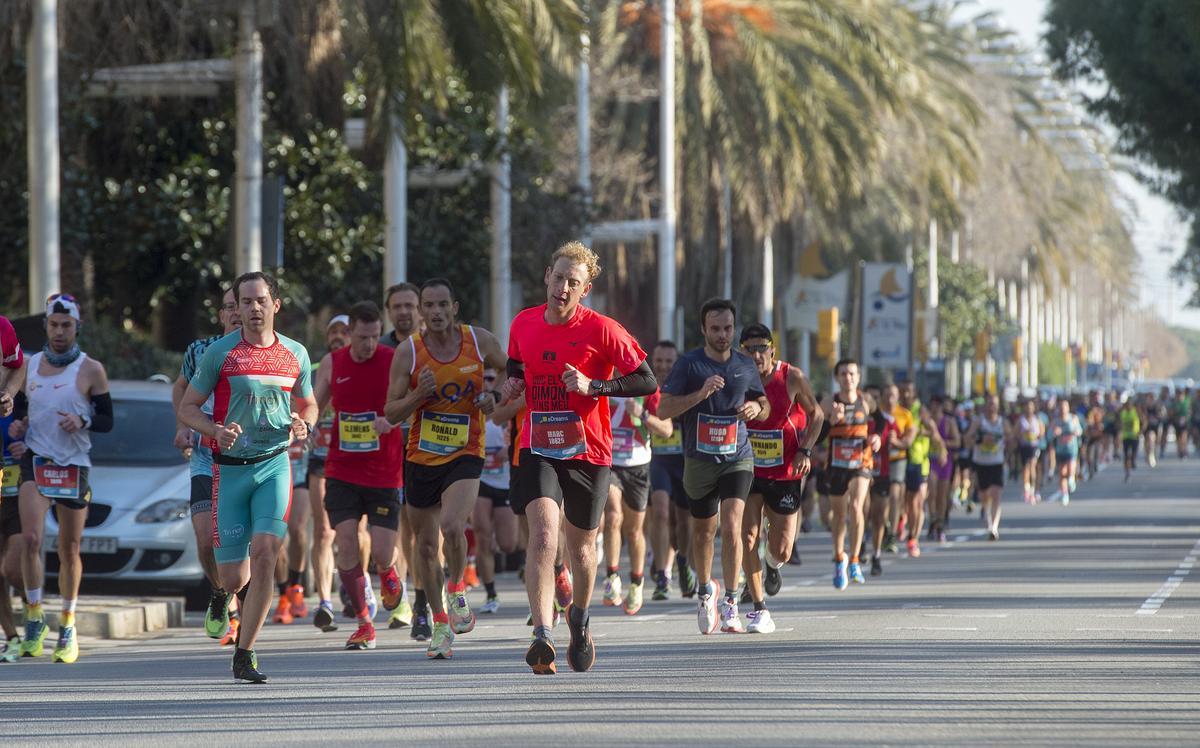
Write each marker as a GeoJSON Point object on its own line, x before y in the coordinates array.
{"type": "Point", "coordinates": [1158, 232]}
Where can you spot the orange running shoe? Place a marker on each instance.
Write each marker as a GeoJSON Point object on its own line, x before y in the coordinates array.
{"type": "Point", "coordinates": [295, 596]}
{"type": "Point", "coordinates": [470, 577]}
{"type": "Point", "coordinates": [562, 589]}
{"type": "Point", "coordinates": [283, 612]}
{"type": "Point", "coordinates": [232, 634]}
{"type": "Point", "coordinates": [363, 638]}
{"type": "Point", "coordinates": [390, 589]}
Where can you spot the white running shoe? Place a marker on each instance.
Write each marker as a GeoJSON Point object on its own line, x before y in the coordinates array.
{"type": "Point", "coordinates": [731, 622]}
{"type": "Point", "coordinates": [760, 622]}
{"type": "Point", "coordinates": [612, 590]}
{"type": "Point", "coordinates": [706, 614]}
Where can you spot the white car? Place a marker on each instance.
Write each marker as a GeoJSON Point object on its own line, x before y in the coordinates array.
{"type": "Point", "coordinates": [139, 525]}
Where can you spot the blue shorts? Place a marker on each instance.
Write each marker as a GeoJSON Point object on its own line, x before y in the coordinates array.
{"type": "Point", "coordinates": [249, 500]}
{"type": "Point", "coordinates": [666, 474]}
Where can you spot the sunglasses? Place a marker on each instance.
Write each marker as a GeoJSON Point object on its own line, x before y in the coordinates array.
{"type": "Point", "coordinates": [757, 348]}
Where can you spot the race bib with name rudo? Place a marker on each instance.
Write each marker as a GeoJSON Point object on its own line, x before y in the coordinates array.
{"type": "Point", "coordinates": [768, 447]}
{"type": "Point", "coordinates": [668, 445]}
{"type": "Point", "coordinates": [444, 433]}
{"type": "Point", "coordinates": [624, 441]}
{"type": "Point", "coordinates": [12, 479]}
{"type": "Point", "coordinates": [356, 432]}
{"type": "Point", "coordinates": [716, 435]}
{"type": "Point", "coordinates": [556, 434]}
{"type": "Point", "coordinates": [56, 481]}
{"type": "Point", "coordinates": [847, 454]}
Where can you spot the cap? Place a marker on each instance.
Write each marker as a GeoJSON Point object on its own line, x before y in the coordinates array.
{"type": "Point", "coordinates": [63, 304]}
{"type": "Point", "coordinates": [968, 405]}
{"type": "Point", "coordinates": [341, 319]}
{"type": "Point", "coordinates": [756, 330]}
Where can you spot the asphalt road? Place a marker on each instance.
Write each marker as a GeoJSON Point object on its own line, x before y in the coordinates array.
{"type": "Point", "coordinates": [1080, 626]}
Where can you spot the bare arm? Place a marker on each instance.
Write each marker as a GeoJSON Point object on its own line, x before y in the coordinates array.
{"type": "Point", "coordinates": [673, 406]}
{"type": "Point", "coordinates": [402, 399]}
{"type": "Point", "coordinates": [660, 427]}
{"type": "Point", "coordinates": [13, 380]}
{"type": "Point", "coordinates": [191, 416]}
{"type": "Point", "coordinates": [507, 411]}
{"type": "Point", "coordinates": [321, 390]}
{"type": "Point", "coordinates": [489, 346]}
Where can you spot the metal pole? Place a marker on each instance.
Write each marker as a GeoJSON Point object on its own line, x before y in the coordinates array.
{"type": "Point", "coordinates": [395, 202]}
{"type": "Point", "coordinates": [666, 165]}
{"type": "Point", "coordinates": [726, 237]}
{"type": "Point", "coordinates": [583, 126]}
{"type": "Point", "coordinates": [42, 118]}
{"type": "Point", "coordinates": [1026, 331]}
{"type": "Point", "coordinates": [768, 281]}
{"type": "Point", "coordinates": [502, 227]}
{"type": "Point", "coordinates": [931, 317]}
{"type": "Point", "coordinates": [248, 185]}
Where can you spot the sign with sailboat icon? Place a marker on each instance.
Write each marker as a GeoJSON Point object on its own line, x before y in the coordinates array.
{"type": "Point", "coordinates": [886, 314]}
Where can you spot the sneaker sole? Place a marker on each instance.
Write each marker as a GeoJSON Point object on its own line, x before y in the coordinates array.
{"type": "Point", "coordinates": [633, 612]}
{"type": "Point", "coordinates": [439, 655]}
{"type": "Point", "coordinates": [541, 658]}
{"type": "Point", "coordinates": [465, 629]}
{"type": "Point", "coordinates": [359, 646]}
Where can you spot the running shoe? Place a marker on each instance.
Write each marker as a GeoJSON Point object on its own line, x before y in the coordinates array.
{"type": "Point", "coordinates": [1071, 485]}
{"type": "Point", "coordinates": [67, 648]}
{"type": "Point", "coordinates": [462, 620]}
{"type": "Point", "coordinates": [491, 606]}
{"type": "Point", "coordinates": [402, 616]}
{"type": "Point", "coordinates": [421, 630]}
{"type": "Point", "coordinates": [612, 590]}
{"type": "Point", "coordinates": [12, 649]}
{"type": "Point", "coordinates": [581, 652]}
{"type": "Point", "coordinates": [876, 566]}
{"type": "Point", "coordinates": [914, 548]}
{"type": "Point", "coordinates": [856, 574]}
{"type": "Point", "coordinates": [806, 525]}
{"type": "Point", "coordinates": [840, 580]}
{"type": "Point", "coordinates": [745, 598]}
{"type": "Point", "coordinates": [759, 622]}
{"type": "Point", "coordinates": [993, 535]}
{"type": "Point", "coordinates": [772, 580]}
{"type": "Point", "coordinates": [347, 604]}
{"type": "Point", "coordinates": [1066, 498]}
{"type": "Point", "coordinates": [389, 589]}
{"type": "Point", "coordinates": [231, 633]}
{"type": "Point", "coordinates": [295, 595]}
{"type": "Point", "coordinates": [563, 589]}
{"type": "Point", "coordinates": [35, 636]}
{"type": "Point", "coordinates": [283, 611]}
{"type": "Point", "coordinates": [245, 666]}
{"type": "Point", "coordinates": [633, 599]}
{"type": "Point", "coordinates": [662, 587]}
{"type": "Point", "coordinates": [323, 618]}
{"type": "Point", "coordinates": [706, 612]}
{"type": "Point", "coordinates": [731, 622]}
{"type": "Point", "coordinates": [441, 643]}
{"type": "Point", "coordinates": [372, 603]}
{"type": "Point", "coordinates": [216, 618]}
{"type": "Point", "coordinates": [471, 576]}
{"type": "Point", "coordinates": [540, 655]}
{"type": "Point", "coordinates": [363, 638]}
{"type": "Point", "coordinates": [687, 579]}
{"type": "Point", "coordinates": [529, 620]}
{"type": "Point", "coordinates": [941, 535]}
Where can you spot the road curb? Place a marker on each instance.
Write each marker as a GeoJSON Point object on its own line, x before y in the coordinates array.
{"type": "Point", "coordinates": [119, 618]}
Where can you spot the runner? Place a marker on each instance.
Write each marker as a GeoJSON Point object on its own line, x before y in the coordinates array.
{"type": "Point", "coordinates": [942, 465]}
{"type": "Point", "coordinates": [1094, 433]}
{"type": "Point", "coordinates": [916, 479]}
{"type": "Point", "coordinates": [364, 464]}
{"type": "Point", "coordinates": [1164, 403]}
{"type": "Point", "coordinates": [782, 447]}
{"type": "Point", "coordinates": [12, 380]}
{"type": "Point", "coordinates": [1181, 409]}
{"type": "Point", "coordinates": [962, 468]}
{"type": "Point", "coordinates": [988, 435]}
{"type": "Point", "coordinates": [437, 380]}
{"type": "Point", "coordinates": [261, 381]}
{"type": "Point", "coordinates": [884, 426]}
{"type": "Point", "coordinates": [668, 501]}
{"type": "Point", "coordinates": [906, 427]}
{"type": "Point", "coordinates": [1067, 431]}
{"type": "Point", "coordinates": [717, 391]}
{"type": "Point", "coordinates": [1155, 415]}
{"type": "Point", "coordinates": [1131, 429]}
{"type": "Point", "coordinates": [221, 617]}
{"type": "Point", "coordinates": [494, 522]}
{"type": "Point", "coordinates": [68, 398]}
{"type": "Point", "coordinates": [1030, 435]}
{"type": "Point", "coordinates": [560, 354]}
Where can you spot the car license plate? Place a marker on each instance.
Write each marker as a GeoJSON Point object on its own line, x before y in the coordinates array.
{"type": "Point", "coordinates": [87, 544]}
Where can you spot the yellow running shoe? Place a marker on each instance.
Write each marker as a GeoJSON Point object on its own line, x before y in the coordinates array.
{"type": "Point", "coordinates": [402, 616]}
{"type": "Point", "coordinates": [441, 643]}
{"type": "Point", "coordinates": [35, 636]}
{"type": "Point", "coordinates": [67, 649]}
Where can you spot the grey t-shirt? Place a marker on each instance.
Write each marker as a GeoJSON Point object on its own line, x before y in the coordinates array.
{"type": "Point", "coordinates": [711, 431]}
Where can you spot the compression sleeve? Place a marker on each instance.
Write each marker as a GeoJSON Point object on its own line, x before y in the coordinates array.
{"type": "Point", "coordinates": [515, 369]}
{"type": "Point", "coordinates": [639, 382]}
{"type": "Point", "coordinates": [102, 421]}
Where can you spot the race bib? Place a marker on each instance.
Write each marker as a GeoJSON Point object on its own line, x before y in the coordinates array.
{"type": "Point", "coordinates": [624, 440]}
{"type": "Point", "coordinates": [444, 433]}
{"type": "Point", "coordinates": [768, 447]}
{"type": "Point", "coordinates": [1031, 437]}
{"type": "Point", "coordinates": [356, 432]}
{"type": "Point", "coordinates": [846, 453]}
{"type": "Point", "coordinates": [296, 457]}
{"type": "Point", "coordinates": [716, 435]}
{"type": "Point", "coordinates": [12, 479]}
{"type": "Point", "coordinates": [324, 438]}
{"type": "Point", "coordinates": [557, 434]}
{"type": "Point", "coordinates": [494, 463]}
{"type": "Point", "coordinates": [989, 445]}
{"type": "Point", "coordinates": [668, 445]}
{"type": "Point", "coordinates": [55, 481]}
{"type": "Point", "coordinates": [1066, 440]}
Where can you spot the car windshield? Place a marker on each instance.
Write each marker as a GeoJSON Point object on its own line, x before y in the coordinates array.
{"type": "Point", "coordinates": [143, 434]}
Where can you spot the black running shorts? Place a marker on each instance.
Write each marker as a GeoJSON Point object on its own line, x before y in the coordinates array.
{"type": "Point", "coordinates": [425, 484]}
{"type": "Point", "coordinates": [347, 501]}
{"type": "Point", "coordinates": [634, 484]}
{"type": "Point", "coordinates": [578, 486]}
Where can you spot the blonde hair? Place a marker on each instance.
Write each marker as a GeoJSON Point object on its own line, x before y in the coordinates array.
{"type": "Point", "coordinates": [579, 255]}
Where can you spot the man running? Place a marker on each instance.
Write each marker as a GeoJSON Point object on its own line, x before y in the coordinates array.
{"type": "Point", "coordinates": [1067, 432]}
{"type": "Point", "coordinates": [68, 398]}
{"type": "Point", "coordinates": [221, 617]}
{"type": "Point", "coordinates": [263, 400]}
{"type": "Point", "coordinates": [12, 380]}
{"type": "Point", "coordinates": [364, 465]}
{"type": "Point", "coordinates": [560, 356]}
{"type": "Point", "coordinates": [717, 391]}
{"type": "Point", "coordinates": [437, 380]}
{"type": "Point", "coordinates": [851, 455]}
{"type": "Point", "coordinates": [1131, 429]}
{"type": "Point", "coordinates": [494, 522]}
{"type": "Point", "coordinates": [782, 446]}
{"type": "Point", "coordinates": [987, 436]}
{"type": "Point", "coordinates": [668, 501]}
{"type": "Point", "coordinates": [884, 426]}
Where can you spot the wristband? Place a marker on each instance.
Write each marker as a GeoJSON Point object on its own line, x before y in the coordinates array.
{"type": "Point", "coordinates": [805, 451]}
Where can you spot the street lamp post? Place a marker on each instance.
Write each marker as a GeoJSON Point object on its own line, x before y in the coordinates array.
{"type": "Point", "coordinates": [42, 117]}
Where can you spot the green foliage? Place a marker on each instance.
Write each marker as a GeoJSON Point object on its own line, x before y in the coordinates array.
{"type": "Point", "coordinates": [128, 354]}
{"type": "Point", "coordinates": [967, 304]}
{"type": "Point", "coordinates": [1052, 365]}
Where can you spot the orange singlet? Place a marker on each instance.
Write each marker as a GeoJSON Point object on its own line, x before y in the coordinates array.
{"type": "Point", "coordinates": [448, 425]}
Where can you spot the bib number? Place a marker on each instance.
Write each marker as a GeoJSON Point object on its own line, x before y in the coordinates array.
{"type": "Point", "coordinates": [624, 441]}
{"type": "Point", "coordinates": [989, 445]}
{"type": "Point", "coordinates": [716, 435]}
{"type": "Point", "coordinates": [494, 463]}
{"type": "Point", "coordinates": [324, 438]}
{"type": "Point", "coordinates": [356, 432]}
{"type": "Point", "coordinates": [768, 447]}
{"type": "Point", "coordinates": [12, 479]}
{"type": "Point", "coordinates": [296, 458]}
{"type": "Point", "coordinates": [444, 433]}
{"type": "Point", "coordinates": [558, 434]}
{"type": "Point", "coordinates": [846, 454]}
{"type": "Point", "coordinates": [670, 445]}
{"type": "Point", "coordinates": [55, 481]}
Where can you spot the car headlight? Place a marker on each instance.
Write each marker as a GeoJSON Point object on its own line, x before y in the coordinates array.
{"type": "Point", "coordinates": [167, 510]}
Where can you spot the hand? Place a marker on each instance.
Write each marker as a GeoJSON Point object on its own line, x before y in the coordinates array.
{"type": "Point", "coordinates": [486, 403]}
{"type": "Point", "coordinates": [183, 438]}
{"type": "Point", "coordinates": [712, 384]}
{"type": "Point", "coordinates": [749, 411]}
{"type": "Point", "coordinates": [299, 427]}
{"type": "Point", "coordinates": [874, 442]}
{"type": "Point", "coordinates": [512, 388]}
{"type": "Point", "coordinates": [635, 407]}
{"type": "Point", "coordinates": [801, 464]}
{"type": "Point", "coordinates": [6, 404]}
{"type": "Point", "coordinates": [70, 422]}
{"type": "Point", "coordinates": [382, 426]}
{"type": "Point", "coordinates": [17, 429]}
{"type": "Point", "coordinates": [576, 382]}
{"type": "Point", "coordinates": [227, 436]}
{"type": "Point", "coordinates": [16, 449]}
{"type": "Point", "coordinates": [838, 411]}
{"type": "Point", "coordinates": [426, 383]}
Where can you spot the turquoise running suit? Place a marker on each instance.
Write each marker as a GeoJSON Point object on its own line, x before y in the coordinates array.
{"type": "Point", "coordinates": [252, 481]}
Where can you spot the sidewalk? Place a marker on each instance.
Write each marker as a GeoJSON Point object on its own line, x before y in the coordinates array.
{"type": "Point", "coordinates": [116, 617]}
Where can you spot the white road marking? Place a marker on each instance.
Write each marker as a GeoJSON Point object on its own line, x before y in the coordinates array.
{"type": "Point", "coordinates": [965, 615]}
{"type": "Point", "coordinates": [931, 628]}
{"type": "Point", "coordinates": [1131, 631]}
{"type": "Point", "coordinates": [1156, 601]}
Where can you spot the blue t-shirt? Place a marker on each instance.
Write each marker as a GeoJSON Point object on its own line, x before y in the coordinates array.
{"type": "Point", "coordinates": [711, 431]}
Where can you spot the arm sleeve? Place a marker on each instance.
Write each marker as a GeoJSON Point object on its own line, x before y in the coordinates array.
{"type": "Point", "coordinates": [640, 382]}
{"type": "Point", "coordinates": [514, 368]}
{"type": "Point", "coordinates": [102, 421]}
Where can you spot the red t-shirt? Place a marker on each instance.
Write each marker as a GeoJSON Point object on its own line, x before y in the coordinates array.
{"type": "Point", "coordinates": [10, 348]}
{"type": "Point", "coordinates": [562, 425]}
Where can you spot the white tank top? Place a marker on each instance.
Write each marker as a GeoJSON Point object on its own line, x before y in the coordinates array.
{"type": "Point", "coordinates": [495, 463]}
{"type": "Point", "coordinates": [1031, 429]}
{"type": "Point", "coordinates": [989, 442]}
{"type": "Point", "coordinates": [49, 396]}
{"type": "Point", "coordinates": [628, 450]}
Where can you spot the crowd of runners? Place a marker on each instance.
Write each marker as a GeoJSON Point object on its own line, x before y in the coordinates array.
{"type": "Point", "coordinates": [431, 458]}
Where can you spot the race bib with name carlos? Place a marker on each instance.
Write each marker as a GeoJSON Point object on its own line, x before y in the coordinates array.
{"type": "Point", "coordinates": [556, 434]}
{"type": "Point", "coordinates": [356, 432]}
{"type": "Point", "coordinates": [768, 447]}
{"type": "Point", "coordinates": [56, 481]}
{"type": "Point", "coordinates": [716, 435]}
{"type": "Point", "coordinates": [444, 433]}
